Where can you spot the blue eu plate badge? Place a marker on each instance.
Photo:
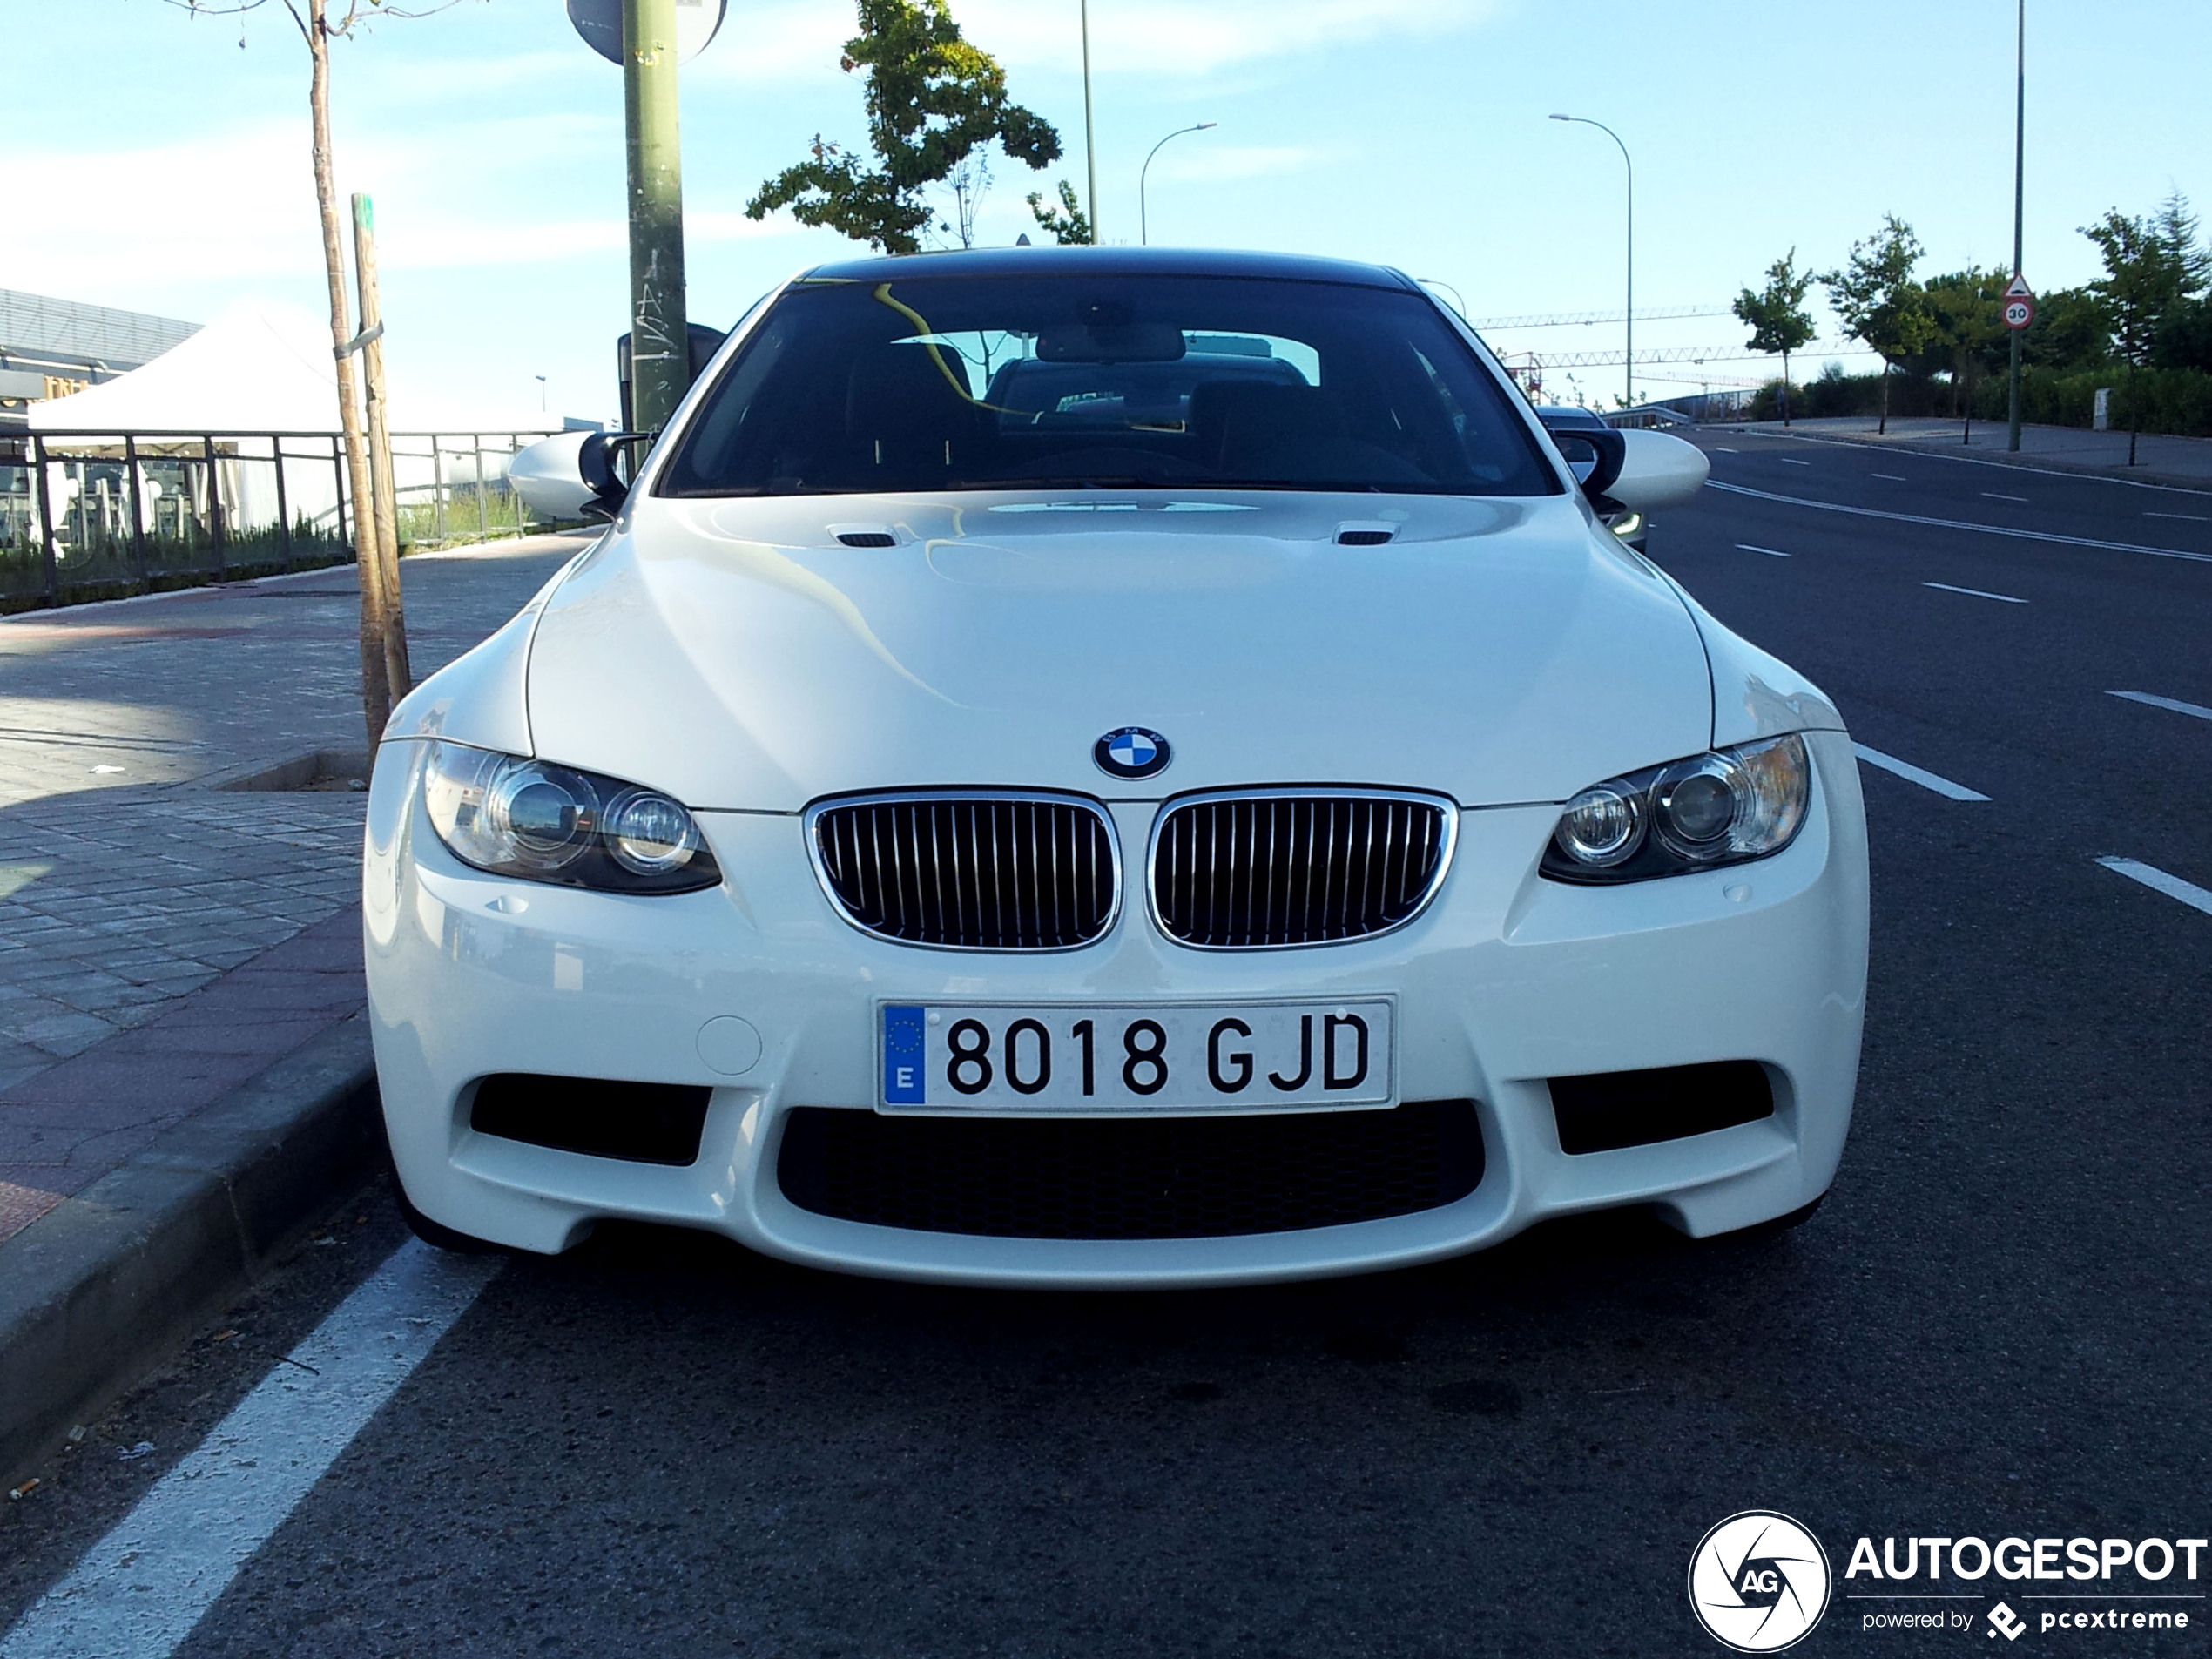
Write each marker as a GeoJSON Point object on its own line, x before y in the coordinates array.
{"type": "Point", "coordinates": [905, 1058]}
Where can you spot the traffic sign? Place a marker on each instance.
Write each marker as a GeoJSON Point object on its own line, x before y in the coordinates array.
{"type": "Point", "coordinates": [2020, 303]}
{"type": "Point", "coordinates": [600, 23]}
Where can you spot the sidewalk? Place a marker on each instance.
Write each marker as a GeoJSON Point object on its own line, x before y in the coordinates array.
{"type": "Point", "coordinates": [184, 1076]}
{"type": "Point", "coordinates": [2184, 463]}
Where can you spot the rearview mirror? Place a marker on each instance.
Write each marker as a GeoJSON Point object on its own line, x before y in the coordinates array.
{"type": "Point", "coordinates": [571, 475]}
{"type": "Point", "coordinates": [1657, 471]}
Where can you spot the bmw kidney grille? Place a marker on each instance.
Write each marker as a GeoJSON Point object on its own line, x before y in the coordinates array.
{"type": "Point", "coordinates": [971, 871]}
{"type": "Point", "coordinates": [1250, 870]}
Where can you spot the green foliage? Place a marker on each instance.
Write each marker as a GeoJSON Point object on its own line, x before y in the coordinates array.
{"type": "Point", "coordinates": [2070, 330]}
{"type": "Point", "coordinates": [1875, 295]}
{"type": "Point", "coordinates": [2168, 400]}
{"type": "Point", "coordinates": [1069, 223]}
{"type": "Point", "coordinates": [2152, 264]}
{"type": "Point", "coordinates": [933, 99]}
{"type": "Point", "coordinates": [1777, 312]}
{"type": "Point", "coordinates": [1966, 334]}
{"type": "Point", "coordinates": [2184, 338]}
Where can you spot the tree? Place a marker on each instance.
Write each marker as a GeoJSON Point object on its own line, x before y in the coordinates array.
{"type": "Point", "coordinates": [1966, 320]}
{"type": "Point", "coordinates": [2070, 330]}
{"type": "Point", "coordinates": [1875, 295]}
{"type": "Point", "coordinates": [386, 676]}
{"type": "Point", "coordinates": [1069, 223]}
{"type": "Point", "coordinates": [1777, 317]}
{"type": "Point", "coordinates": [2152, 265]}
{"type": "Point", "coordinates": [933, 99]}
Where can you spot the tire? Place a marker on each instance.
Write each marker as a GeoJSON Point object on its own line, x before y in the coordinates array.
{"type": "Point", "coordinates": [435, 1234]}
{"type": "Point", "coordinates": [1781, 1224]}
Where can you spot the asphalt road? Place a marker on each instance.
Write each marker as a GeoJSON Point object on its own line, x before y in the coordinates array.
{"type": "Point", "coordinates": [1998, 1325]}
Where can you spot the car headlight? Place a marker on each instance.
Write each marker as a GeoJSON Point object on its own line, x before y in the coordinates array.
{"type": "Point", "coordinates": [1725, 807]}
{"type": "Point", "coordinates": [546, 823]}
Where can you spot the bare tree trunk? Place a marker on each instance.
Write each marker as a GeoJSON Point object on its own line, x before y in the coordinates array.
{"type": "Point", "coordinates": [376, 689]}
{"type": "Point", "coordinates": [1883, 426]}
{"type": "Point", "coordinates": [398, 675]}
{"type": "Point", "coordinates": [1785, 388]}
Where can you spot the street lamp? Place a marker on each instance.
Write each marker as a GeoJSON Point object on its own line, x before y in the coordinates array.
{"type": "Point", "coordinates": [1630, 374]}
{"type": "Point", "coordinates": [540, 379]}
{"type": "Point", "coordinates": [1143, 224]}
{"type": "Point", "coordinates": [1090, 153]}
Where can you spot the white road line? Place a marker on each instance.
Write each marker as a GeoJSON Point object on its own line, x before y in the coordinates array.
{"type": "Point", "coordinates": [1959, 524]}
{"type": "Point", "coordinates": [1893, 478]}
{"type": "Point", "coordinates": [1996, 494]}
{"type": "Point", "coordinates": [2173, 703]}
{"type": "Point", "coordinates": [138, 1592]}
{"type": "Point", "coordinates": [1976, 592]}
{"type": "Point", "coordinates": [1903, 769]}
{"type": "Point", "coordinates": [1791, 461]}
{"type": "Point", "coordinates": [1726, 450]}
{"type": "Point", "coordinates": [1772, 553]}
{"type": "Point", "coordinates": [2193, 518]}
{"type": "Point", "coordinates": [2155, 879]}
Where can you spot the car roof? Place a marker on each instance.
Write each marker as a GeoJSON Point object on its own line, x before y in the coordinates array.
{"type": "Point", "coordinates": [1573, 412]}
{"type": "Point", "coordinates": [1112, 261]}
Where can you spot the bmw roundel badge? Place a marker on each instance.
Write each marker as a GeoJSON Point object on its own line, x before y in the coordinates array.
{"type": "Point", "coordinates": [1132, 752]}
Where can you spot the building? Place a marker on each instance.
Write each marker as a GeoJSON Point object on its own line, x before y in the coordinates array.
{"type": "Point", "coordinates": [52, 348]}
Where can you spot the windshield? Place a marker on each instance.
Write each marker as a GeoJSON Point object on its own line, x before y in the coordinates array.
{"type": "Point", "coordinates": [942, 383]}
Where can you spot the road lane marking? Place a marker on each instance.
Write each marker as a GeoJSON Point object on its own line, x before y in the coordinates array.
{"type": "Point", "coordinates": [2173, 703]}
{"type": "Point", "coordinates": [138, 1592]}
{"type": "Point", "coordinates": [1903, 769]}
{"type": "Point", "coordinates": [1959, 524]}
{"type": "Point", "coordinates": [1995, 494]}
{"type": "Point", "coordinates": [1726, 450]}
{"type": "Point", "coordinates": [1791, 461]}
{"type": "Point", "coordinates": [1772, 553]}
{"type": "Point", "coordinates": [1893, 478]}
{"type": "Point", "coordinates": [1976, 592]}
{"type": "Point", "coordinates": [2193, 518]}
{"type": "Point", "coordinates": [2155, 879]}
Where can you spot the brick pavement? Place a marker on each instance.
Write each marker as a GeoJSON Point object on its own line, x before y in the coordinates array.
{"type": "Point", "coordinates": [163, 940]}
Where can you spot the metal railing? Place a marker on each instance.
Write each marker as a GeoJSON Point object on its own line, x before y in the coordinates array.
{"type": "Point", "coordinates": [102, 514]}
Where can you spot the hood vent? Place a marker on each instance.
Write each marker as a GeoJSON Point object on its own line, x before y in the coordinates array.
{"type": "Point", "coordinates": [867, 538]}
{"type": "Point", "coordinates": [1365, 534]}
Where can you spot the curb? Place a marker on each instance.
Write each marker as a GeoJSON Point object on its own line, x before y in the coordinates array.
{"type": "Point", "coordinates": [95, 1290]}
{"type": "Point", "coordinates": [2145, 477]}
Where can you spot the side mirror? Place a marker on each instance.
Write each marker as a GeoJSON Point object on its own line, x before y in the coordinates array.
{"type": "Point", "coordinates": [1593, 453]}
{"type": "Point", "coordinates": [1657, 471]}
{"type": "Point", "coordinates": [571, 475]}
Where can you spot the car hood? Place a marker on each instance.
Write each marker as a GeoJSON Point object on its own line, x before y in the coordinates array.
{"type": "Point", "coordinates": [734, 653]}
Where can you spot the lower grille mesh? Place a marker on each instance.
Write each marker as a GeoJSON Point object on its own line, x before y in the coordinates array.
{"type": "Point", "coordinates": [1167, 1177]}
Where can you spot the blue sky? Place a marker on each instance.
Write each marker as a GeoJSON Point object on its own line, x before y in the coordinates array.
{"type": "Point", "coordinates": [158, 167]}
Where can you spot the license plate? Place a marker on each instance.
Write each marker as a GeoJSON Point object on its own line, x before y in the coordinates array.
{"type": "Point", "coordinates": [1137, 1057]}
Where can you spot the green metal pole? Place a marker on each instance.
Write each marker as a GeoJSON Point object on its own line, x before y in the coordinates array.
{"type": "Point", "coordinates": [2020, 159]}
{"type": "Point", "coordinates": [1091, 155]}
{"type": "Point", "coordinates": [660, 357]}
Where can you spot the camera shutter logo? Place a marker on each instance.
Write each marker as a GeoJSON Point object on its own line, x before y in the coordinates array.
{"type": "Point", "coordinates": [1758, 1582]}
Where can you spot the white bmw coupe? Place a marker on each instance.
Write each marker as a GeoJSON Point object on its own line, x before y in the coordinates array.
{"type": "Point", "coordinates": [1111, 768]}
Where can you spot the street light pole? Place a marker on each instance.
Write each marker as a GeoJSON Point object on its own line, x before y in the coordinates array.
{"type": "Point", "coordinates": [660, 352]}
{"type": "Point", "coordinates": [1091, 151]}
{"type": "Point", "coordinates": [1143, 221]}
{"type": "Point", "coordinates": [1629, 387]}
{"type": "Point", "coordinates": [2020, 170]}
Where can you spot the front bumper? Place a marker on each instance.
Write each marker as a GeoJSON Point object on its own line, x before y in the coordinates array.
{"type": "Point", "coordinates": [1505, 981]}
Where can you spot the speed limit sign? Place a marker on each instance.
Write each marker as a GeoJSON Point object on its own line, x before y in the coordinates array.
{"type": "Point", "coordinates": [2019, 304]}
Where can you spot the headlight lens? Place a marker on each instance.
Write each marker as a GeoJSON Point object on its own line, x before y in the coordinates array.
{"type": "Point", "coordinates": [1725, 808]}
{"type": "Point", "coordinates": [546, 823]}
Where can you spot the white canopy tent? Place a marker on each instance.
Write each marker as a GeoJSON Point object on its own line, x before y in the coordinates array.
{"type": "Point", "coordinates": [263, 368]}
